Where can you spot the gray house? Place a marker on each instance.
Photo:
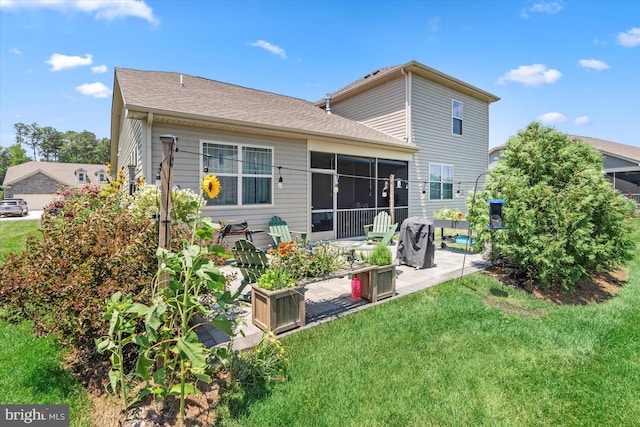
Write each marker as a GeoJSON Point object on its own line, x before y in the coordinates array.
{"type": "Point", "coordinates": [621, 163]}
{"type": "Point", "coordinates": [38, 182]}
{"type": "Point", "coordinates": [326, 168]}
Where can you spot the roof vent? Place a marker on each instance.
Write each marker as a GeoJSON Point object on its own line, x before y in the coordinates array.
{"type": "Point", "coordinates": [327, 99]}
{"type": "Point", "coordinates": [181, 82]}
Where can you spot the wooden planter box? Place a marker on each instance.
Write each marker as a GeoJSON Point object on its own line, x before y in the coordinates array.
{"type": "Point", "coordinates": [447, 223]}
{"type": "Point", "coordinates": [278, 311]}
{"type": "Point", "coordinates": [378, 282]}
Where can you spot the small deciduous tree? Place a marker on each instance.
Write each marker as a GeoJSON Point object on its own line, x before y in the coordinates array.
{"type": "Point", "coordinates": [564, 220]}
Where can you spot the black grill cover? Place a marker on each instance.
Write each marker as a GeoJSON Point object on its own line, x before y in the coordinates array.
{"type": "Point", "coordinates": [415, 243]}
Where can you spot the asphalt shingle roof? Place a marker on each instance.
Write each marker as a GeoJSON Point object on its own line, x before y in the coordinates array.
{"type": "Point", "coordinates": [217, 101]}
{"type": "Point", "coordinates": [621, 150]}
{"type": "Point", "coordinates": [628, 152]}
{"type": "Point", "coordinates": [61, 172]}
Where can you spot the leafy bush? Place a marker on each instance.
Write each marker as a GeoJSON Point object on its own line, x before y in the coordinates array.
{"type": "Point", "coordinates": [92, 247]}
{"type": "Point", "coordinates": [186, 204]}
{"type": "Point", "coordinates": [325, 259]}
{"type": "Point", "coordinates": [381, 255]}
{"type": "Point", "coordinates": [563, 219]}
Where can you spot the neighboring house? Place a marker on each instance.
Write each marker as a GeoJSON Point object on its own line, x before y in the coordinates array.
{"type": "Point", "coordinates": [621, 163]}
{"type": "Point", "coordinates": [38, 182]}
{"type": "Point", "coordinates": [335, 157]}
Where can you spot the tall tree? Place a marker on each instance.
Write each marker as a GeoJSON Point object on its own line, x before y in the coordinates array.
{"type": "Point", "coordinates": [563, 219]}
{"type": "Point", "coordinates": [51, 144]}
{"type": "Point", "coordinates": [11, 156]}
{"type": "Point", "coordinates": [102, 152]}
{"type": "Point", "coordinates": [29, 135]}
{"type": "Point", "coordinates": [65, 147]}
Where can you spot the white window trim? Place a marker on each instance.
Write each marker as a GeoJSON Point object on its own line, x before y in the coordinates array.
{"type": "Point", "coordinates": [456, 117]}
{"type": "Point", "coordinates": [441, 165]}
{"type": "Point", "coordinates": [79, 173]}
{"type": "Point", "coordinates": [104, 176]}
{"type": "Point", "coordinates": [239, 146]}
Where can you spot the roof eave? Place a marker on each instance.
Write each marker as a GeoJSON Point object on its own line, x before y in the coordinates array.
{"type": "Point", "coordinates": [159, 115]}
{"type": "Point", "coordinates": [421, 70]}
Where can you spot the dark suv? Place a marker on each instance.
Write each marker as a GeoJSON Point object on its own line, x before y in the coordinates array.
{"type": "Point", "coordinates": [14, 207]}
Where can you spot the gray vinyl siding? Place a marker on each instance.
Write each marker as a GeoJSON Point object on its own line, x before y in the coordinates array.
{"type": "Point", "coordinates": [494, 157]}
{"type": "Point", "coordinates": [131, 143]}
{"type": "Point", "coordinates": [611, 162]}
{"type": "Point", "coordinates": [290, 202]}
{"type": "Point", "coordinates": [432, 132]}
{"type": "Point", "coordinates": [383, 108]}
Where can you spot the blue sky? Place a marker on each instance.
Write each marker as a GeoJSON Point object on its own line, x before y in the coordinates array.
{"type": "Point", "coordinates": [574, 65]}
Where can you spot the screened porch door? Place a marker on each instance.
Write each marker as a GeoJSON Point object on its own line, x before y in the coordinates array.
{"type": "Point", "coordinates": [322, 206]}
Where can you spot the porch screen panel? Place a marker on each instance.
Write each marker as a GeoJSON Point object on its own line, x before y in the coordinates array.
{"type": "Point", "coordinates": [356, 183]}
{"type": "Point", "coordinates": [400, 170]}
{"type": "Point", "coordinates": [321, 202]}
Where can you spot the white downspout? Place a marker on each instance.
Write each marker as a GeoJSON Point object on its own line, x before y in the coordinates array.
{"type": "Point", "coordinates": [407, 106]}
{"type": "Point", "coordinates": [147, 153]}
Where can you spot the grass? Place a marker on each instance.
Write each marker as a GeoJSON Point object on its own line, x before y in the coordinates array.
{"type": "Point", "coordinates": [466, 352]}
{"type": "Point", "coordinates": [13, 235]}
{"type": "Point", "coordinates": [31, 372]}
{"type": "Point", "coordinates": [31, 369]}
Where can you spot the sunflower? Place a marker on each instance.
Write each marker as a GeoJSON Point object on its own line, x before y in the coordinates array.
{"type": "Point", "coordinates": [211, 186]}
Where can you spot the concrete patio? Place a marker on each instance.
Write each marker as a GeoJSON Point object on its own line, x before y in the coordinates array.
{"type": "Point", "coordinates": [329, 299]}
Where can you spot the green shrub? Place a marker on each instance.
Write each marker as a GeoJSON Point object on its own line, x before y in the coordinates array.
{"type": "Point", "coordinates": [325, 259]}
{"type": "Point", "coordinates": [186, 204]}
{"type": "Point", "coordinates": [563, 219]}
{"type": "Point", "coordinates": [381, 255]}
{"type": "Point", "coordinates": [92, 247]}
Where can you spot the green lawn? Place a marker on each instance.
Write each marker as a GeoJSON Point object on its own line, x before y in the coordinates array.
{"type": "Point", "coordinates": [13, 235]}
{"type": "Point", "coordinates": [31, 372]}
{"type": "Point", "coordinates": [466, 352]}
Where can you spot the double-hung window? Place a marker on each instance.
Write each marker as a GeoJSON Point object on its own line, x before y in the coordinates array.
{"type": "Point", "coordinates": [456, 114]}
{"type": "Point", "coordinates": [440, 181]}
{"type": "Point", "coordinates": [245, 173]}
{"type": "Point", "coordinates": [82, 176]}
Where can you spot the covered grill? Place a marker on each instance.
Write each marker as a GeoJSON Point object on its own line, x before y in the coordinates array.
{"type": "Point", "coordinates": [415, 243]}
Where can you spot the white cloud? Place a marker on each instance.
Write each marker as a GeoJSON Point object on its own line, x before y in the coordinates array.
{"type": "Point", "coordinates": [551, 7]}
{"type": "Point", "coordinates": [99, 69]}
{"type": "Point", "coordinates": [593, 63]}
{"type": "Point", "coordinates": [582, 120]}
{"type": "Point", "coordinates": [101, 9]}
{"type": "Point", "coordinates": [551, 118]}
{"type": "Point", "coordinates": [434, 24]}
{"type": "Point", "coordinates": [15, 50]}
{"type": "Point", "coordinates": [629, 39]}
{"type": "Point", "coordinates": [96, 90]}
{"type": "Point", "coordinates": [276, 50]}
{"type": "Point", "coordinates": [535, 74]}
{"type": "Point", "coordinates": [62, 62]}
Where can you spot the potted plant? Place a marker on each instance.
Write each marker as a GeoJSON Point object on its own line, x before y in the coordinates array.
{"type": "Point", "coordinates": [380, 281]}
{"type": "Point", "coordinates": [277, 299]}
{"type": "Point", "coordinates": [450, 218]}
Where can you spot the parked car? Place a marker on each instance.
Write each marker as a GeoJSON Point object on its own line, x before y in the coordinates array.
{"type": "Point", "coordinates": [13, 207]}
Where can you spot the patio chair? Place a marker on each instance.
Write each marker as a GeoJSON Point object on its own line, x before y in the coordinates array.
{"type": "Point", "coordinates": [381, 229]}
{"type": "Point", "coordinates": [280, 233]}
{"type": "Point", "coordinates": [251, 261]}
